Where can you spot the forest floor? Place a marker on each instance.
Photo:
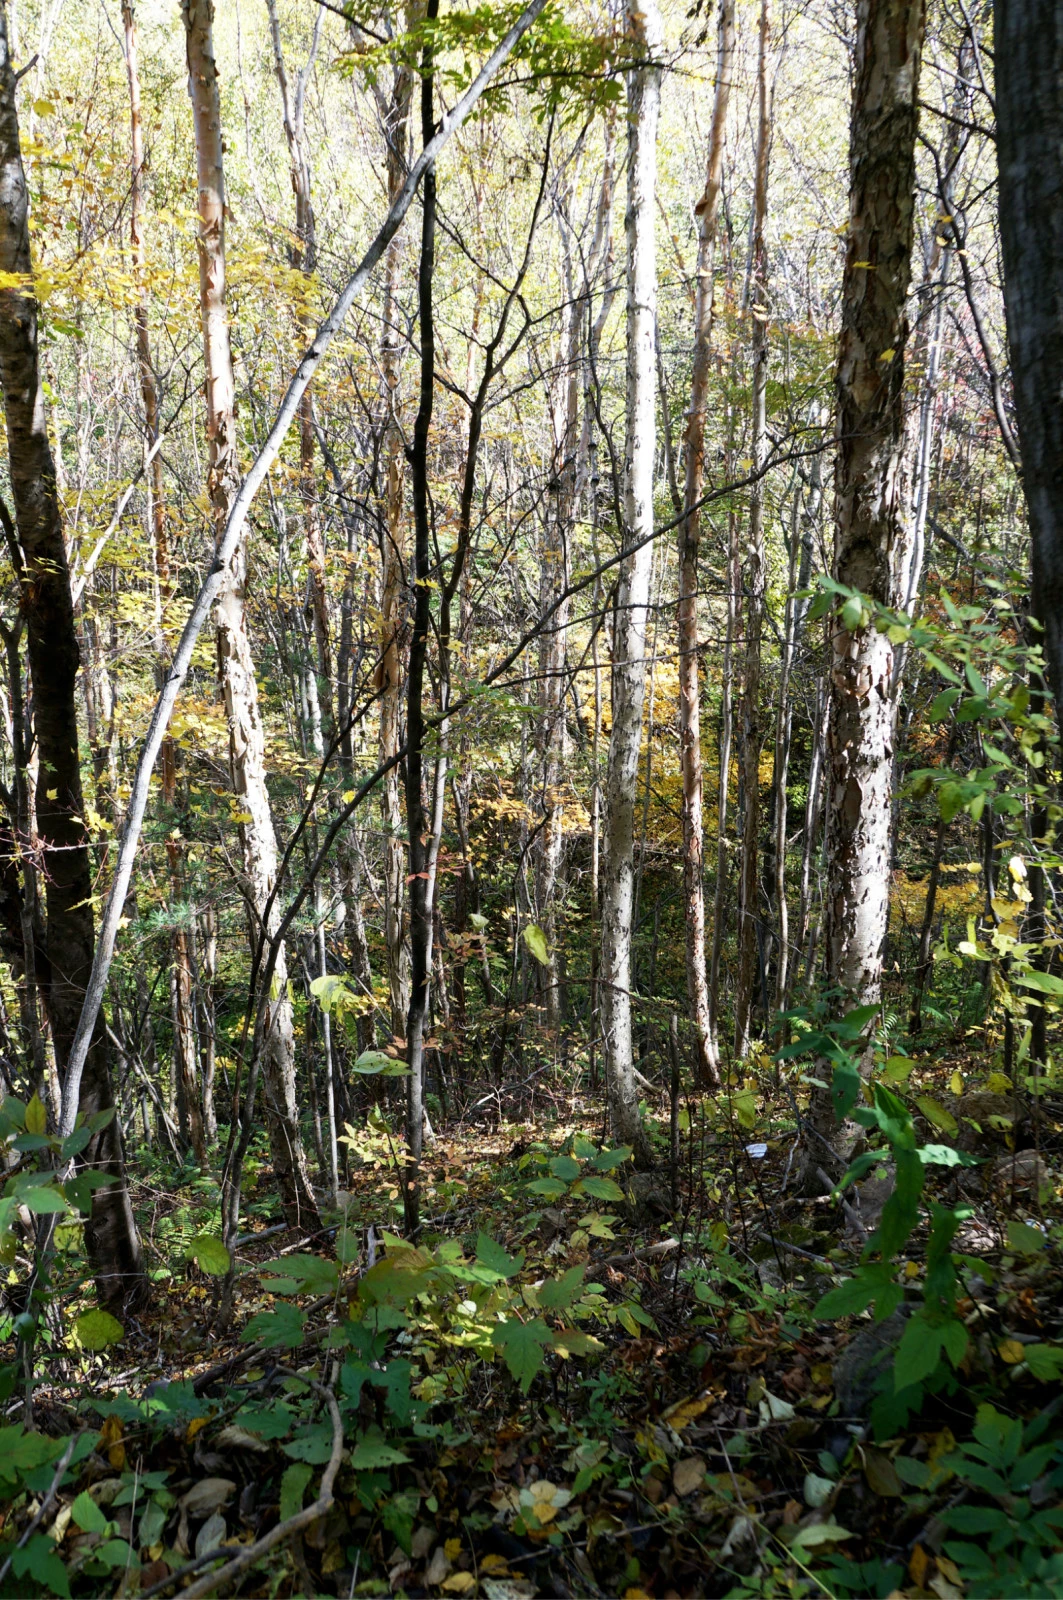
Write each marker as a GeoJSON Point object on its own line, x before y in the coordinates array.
{"type": "Point", "coordinates": [661, 1413]}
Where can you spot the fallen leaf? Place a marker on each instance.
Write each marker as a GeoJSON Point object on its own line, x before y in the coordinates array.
{"type": "Point", "coordinates": [459, 1583]}
{"type": "Point", "coordinates": [210, 1534]}
{"type": "Point", "coordinates": [236, 1438]}
{"type": "Point", "coordinates": [207, 1496]}
{"type": "Point", "coordinates": [452, 1549]}
{"type": "Point", "coordinates": [918, 1562]}
{"type": "Point", "coordinates": [680, 1416]}
{"type": "Point", "coordinates": [1011, 1351]}
{"type": "Point", "coordinates": [688, 1475]}
{"type": "Point", "coordinates": [881, 1474]}
{"type": "Point", "coordinates": [438, 1568]}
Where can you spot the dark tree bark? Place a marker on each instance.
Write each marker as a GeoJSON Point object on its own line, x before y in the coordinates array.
{"type": "Point", "coordinates": [47, 606]}
{"type": "Point", "coordinates": [869, 523]}
{"type": "Point", "coordinates": [1028, 38]}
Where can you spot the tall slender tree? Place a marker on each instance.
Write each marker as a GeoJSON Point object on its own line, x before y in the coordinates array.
{"type": "Point", "coordinates": [236, 664]}
{"type": "Point", "coordinates": [38, 555]}
{"type": "Point", "coordinates": [633, 589]}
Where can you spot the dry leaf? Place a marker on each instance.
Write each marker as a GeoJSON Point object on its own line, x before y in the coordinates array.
{"type": "Point", "coordinates": [1011, 1351]}
{"type": "Point", "coordinates": [207, 1496]}
{"type": "Point", "coordinates": [459, 1583]}
{"type": "Point", "coordinates": [880, 1473]}
{"type": "Point", "coordinates": [438, 1568]}
{"type": "Point", "coordinates": [688, 1475]}
{"type": "Point", "coordinates": [680, 1416]}
{"type": "Point", "coordinates": [236, 1438]}
{"type": "Point", "coordinates": [211, 1534]}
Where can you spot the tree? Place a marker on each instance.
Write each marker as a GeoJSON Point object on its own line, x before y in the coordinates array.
{"type": "Point", "coordinates": [1028, 56]}
{"type": "Point", "coordinates": [235, 661]}
{"type": "Point", "coordinates": [38, 555]}
{"type": "Point", "coordinates": [689, 551]}
{"type": "Point", "coordinates": [869, 523]}
{"type": "Point", "coordinates": [633, 588]}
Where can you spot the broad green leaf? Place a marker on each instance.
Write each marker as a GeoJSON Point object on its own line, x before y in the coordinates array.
{"type": "Point", "coordinates": [312, 1444]}
{"type": "Point", "coordinates": [371, 1062]}
{"type": "Point", "coordinates": [844, 1088]}
{"type": "Point", "coordinates": [917, 1354]}
{"type": "Point", "coordinates": [96, 1330]}
{"type": "Point", "coordinates": [36, 1115]}
{"type": "Point", "coordinates": [609, 1160]}
{"type": "Point", "coordinates": [558, 1293]}
{"type": "Point", "coordinates": [43, 1199]}
{"type": "Point", "coordinates": [1045, 1361]}
{"type": "Point", "coordinates": [744, 1106]}
{"type": "Point", "coordinates": [565, 1168]}
{"type": "Point", "coordinates": [75, 1143]}
{"type": "Point", "coordinates": [293, 1488]}
{"type": "Point", "coordinates": [1025, 1239]}
{"type": "Point", "coordinates": [549, 1188]}
{"type": "Point", "coordinates": [598, 1188]}
{"type": "Point", "coordinates": [210, 1255]}
{"type": "Point", "coordinates": [943, 1155]}
{"type": "Point", "coordinates": [936, 1113]}
{"type": "Point", "coordinates": [852, 614]}
{"type": "Point", "coordinates": [1043, 982]}
{"type": "Point", "coordinates": [87, 1514]}
{"type": "Point", "coordinates": [281, 1329]}
{"type": "Point", "coordinates": [491, 1254]}
{"type": "Point", "coordinates": [522, 1347]}
{"type": "Point", "coordinates": [855, 1294]}
{"type": "Point", "coordinates": [535, 939]}
{"type": "Point", "coordinates": [371, 1452]}
{"type": "Point", "coordinates": [37, 1559]}
{"type": "Point", "coordinates": [301, 1274]}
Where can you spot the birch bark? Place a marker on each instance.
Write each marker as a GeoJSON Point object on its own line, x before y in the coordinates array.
{"type": "Point", "coordinates": [633, 589]}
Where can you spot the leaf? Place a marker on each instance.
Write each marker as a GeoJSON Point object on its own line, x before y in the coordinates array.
{"type": "Point", "coordinates": [943, 1155]}
{"type": "Point", "coordinates": [935, 1113]}
{"type": "Point", "coordinates": [844, 1088]}
{"type": "Point", "coordinates": [817, 1491]}
{"type": "Point", "coordinates": [207, 1496]}
{"type": "Point", "coordinates": [535, 939]}
{"type": "Point", "coordinates": [1045, 1361]}
{"type": "Point", "coordinates": [1043, 982]}
{"type": "Point", "coordinates": [312, 1443]}
{"type": "Point", "coordinates": [549, 1188]}
{"type": "Point", "coordinates": [95, 1330]}
{"type": "Point", "coordinates": [557, 1293]}
{"type": "Point", "coordinates": [599, 1188]}
{"type": "Point", "coordinates": [210, 1255]}
{"type": "Point", "coordinates": [37, 1560]}
{"type": "Point", "coordinates": [372, 1452]}
{"type": "Point", "coordinates": [852, 614]}
{"type": "Point", "coordinates": [855, 1294]}
{"type": "Point", "coordinates": [565, 1168]}
{"type": "Point", "coordinates": [821, 1533]}
{"type": "Point", "coordinates": [210, 1535]}
{"type": "Point", "coordinates": [36, 1115]}
{"type": "Point", "coordinates": [370, 1062]}
{"type": "Point", "coordinates": [301, 1274]}
{"type": "Point", "coordinates": [491, 1254]}
{"type": "Point", "coordinates": [1025, 1239]}
{"type": "Point", "coordinates": [688, 1476]}
{"type": "Point", "coordinates": [522, 1347]}
{"type": "Point", "coordinates": [87, 1514]}
{"type": "Point", "coordinates": [281, 1329]}
{"type": "Point", "coordinates": [918, 1353]}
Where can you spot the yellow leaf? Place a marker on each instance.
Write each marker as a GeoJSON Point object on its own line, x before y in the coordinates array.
{"type": "Point", "coordinates": [494, 1566]}
{"type": "Point", "coordinates": [459, 1583]}
{"type": "Point", "coordinates": [1011, 1351]}
{"type": "Point", "coordinates": [998, 1083]}
{"type": "Point", "coordinates": [887, 355]}
{"type": "Point", "coordinates": [36, 1116]}
{"type": "Point", "coordinates": [194, 1427]}
{"type": "Point", "coordinates": [956, 1082]}
{"type": "Point", "coordinates": [682, 1414]}
{"type": "Point", "coordinates": [452, 1549]}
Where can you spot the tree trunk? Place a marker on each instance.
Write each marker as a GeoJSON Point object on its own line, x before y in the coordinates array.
{"type": "Point", "coordinates": [869, 524]}
{"type": "Point", "coordinates": [44, 579]}
{"type": "Point", "coordinates": [753, 576]}
{"type": "Point", "coordinates": [708, 1071]}
{"type": "Point", "coordinates": [184, 1034]}
{"type": "Point", "coordinates": [629, 651]}
{"type": "Point", "coordinates": [1028, 55]}
{"type": "Point", "coordinates": [236, 665]}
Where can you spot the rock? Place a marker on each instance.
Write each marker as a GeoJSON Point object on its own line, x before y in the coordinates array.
{"type": "Point", "coordinates": [985, 1119]}
{"type": "Point", "coordinates": [864, 1361]}
{"type": "Point", "coordinates": [1019, 1169]}
{"type": "Point", "coordinates": [646, 1198]}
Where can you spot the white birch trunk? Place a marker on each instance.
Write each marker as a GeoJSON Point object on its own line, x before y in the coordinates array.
{"type": "Point", "coordinates": [633, 591]}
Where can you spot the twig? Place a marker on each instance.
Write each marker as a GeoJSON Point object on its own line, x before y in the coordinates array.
{"type": "Point", "coordinates": [649, 1252]}
{"type": "Point", "coordinates": [850, 1211]}
{"type": "Point", "coordinates": [283, 1530]}
{"type": "Point", "coordinates": [45, 1506]}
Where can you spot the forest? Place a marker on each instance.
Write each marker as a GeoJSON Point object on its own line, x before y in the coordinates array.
{"type": "Point", "coordinates": [531, 889]}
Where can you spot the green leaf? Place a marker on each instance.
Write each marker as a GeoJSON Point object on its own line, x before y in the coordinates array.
{"type": "Point", "coordinates": [371, 1452]}
{"type": "Point", "coordinates": [918, 1353]}
{"type": "Point", "coordinates": [557, 1293]}
{"type": "Point", "coordinates": [36, 1115]}
{"type": "Point", "coordinates": [87, 1514]}
{"type": "Point", "coordinates": [955, 1339]}
{"type": "Point", "coordinates": [75, 1143]}
{"type": "Point", "coordinates": [844, 1088]}
{"type": "Point", "coordinates": [281, 1329]}
{"type": "Point", "coordinates": [491, 1254]}
{"type": "Point", "coordinates": [598, 1188]}
{"type": "Point", "coordinates": [609, 1160]}
{"type": "Point", "coordinates": [565, 1168]}
{"type": "Point", "coordinates": [329, 990]}
{"type": "Point", "coordinates": [42, 1198]}
{"type": "Point", "coordinates": [935, 1113]}
{"type": "Point", "coordinates": [371, 1062]}
{"type": "Point", "coordinates": [312, 1444]}
{"type": "Point", "coordinates": [1026, 1240]}
{"type": "Point", "coordinates": [1045, 1361]}
{"type": "Point", "coordinates": [37, 1560]}
{"type": "Point", "coordinates": [943, 703]}
{"type": "Point", "coordinates": [96, 1330]}
{"type": "Point", "coordinates": [1043, 982]}
{"type": "Point", "coordinates": [522, 1347]}
{"type": "Point", "coordinates": [210, 1255]}
{"type": "Point", "coordinates": [852, 615]}
{"type": "Point", "coordinates": [535, 939]}
{"type": "Point", "coordinates": [549, 1188]}
{"type": "Point", "coordinates": [302, 1274]}
{"type": "Point", "coordinates": [744, 1105]}
{"type": "Point", "coordinates": [855, 1294]}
